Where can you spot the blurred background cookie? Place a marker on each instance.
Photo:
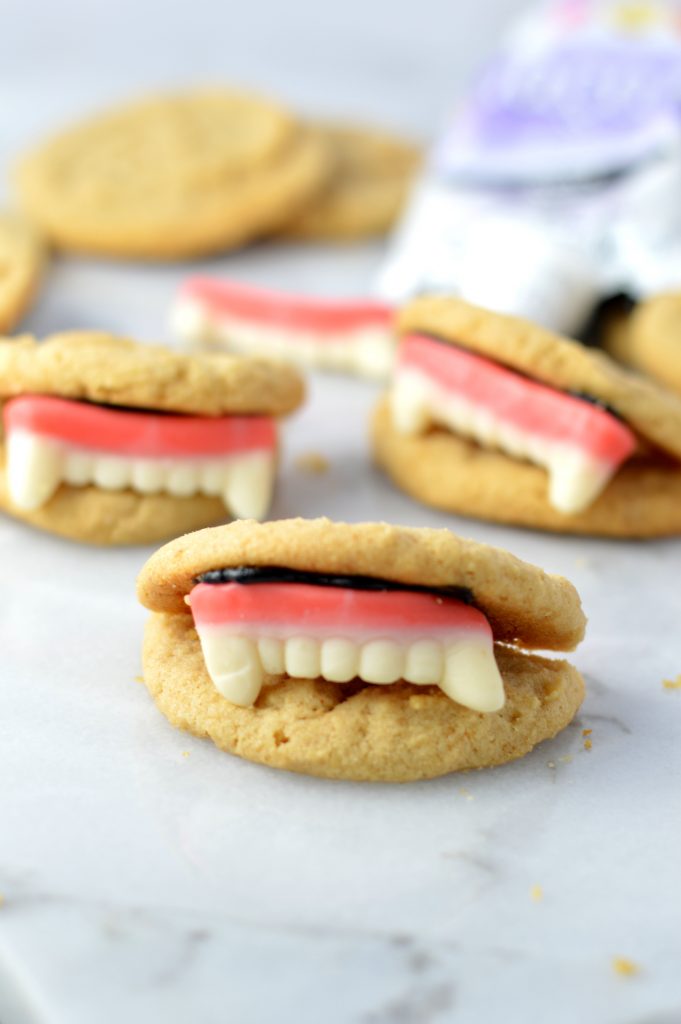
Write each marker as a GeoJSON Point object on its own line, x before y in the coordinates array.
{"type": "Point", "coordinates": [173, 176]}
{"type": "Point", "coordinates": [372, 173]}
{"type": "Point", "coordinates": [22, 256]}
{"type": "Point", "coordinates": [648, 338]}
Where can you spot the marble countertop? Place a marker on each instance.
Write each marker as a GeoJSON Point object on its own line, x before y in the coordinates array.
{"type": "Point", "coordinates": [145, 875]}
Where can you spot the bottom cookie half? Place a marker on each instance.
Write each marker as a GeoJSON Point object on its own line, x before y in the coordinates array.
{"type": "Point", "coordinates": [449, 472]}
{"type": "Point", "coordinates": [95, 516]}
{"type": "Point", "coordinates": [397, 733]}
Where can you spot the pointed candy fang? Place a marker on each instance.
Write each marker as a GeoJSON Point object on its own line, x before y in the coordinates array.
{"type": "Point", "coordinates": [472, 678]}
{"type": "Point", "coordinates": [234, 667]}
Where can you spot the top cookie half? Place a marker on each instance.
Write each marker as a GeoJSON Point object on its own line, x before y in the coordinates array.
{"type": "Point", "coordinates": [99, 367]}
{"type": "Point", "coordinates": [173, 176]}
{"type": "Point", "coordinates": [532, 350]}
{"type": "Point", "coordinates": [524, 605]}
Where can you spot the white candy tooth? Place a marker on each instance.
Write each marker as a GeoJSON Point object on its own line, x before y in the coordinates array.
{"type": "Point", "coordinates": [424, 662]}
{"type": "Point", "coordinates": [214, 477]}
{"type": "Point", "coordinates": [381, 661]}
{"type": "Point", "coordinates": [148, 476]}
{"type": "Point", "coordinates": [339, 660]}
{"type": "Point", "coordinates": [575, 480]}
{"type": "Point", "coordinates": [182, 479]}
{"type": "Point", "coordinates": [271, 653]}
{"type": "Point", "coordinates": [234, 666]}
{"type": "Point", "coordinates": [472, 678]}
{"type": "Point", "coordinates": [34, 469]}
{"type": "Point", "coordinates": [78, 468]}
{"type": "Point", "coordinates": [373, 354]}
{"type": "Point", "coordinates": [111, 473]}
{"type": "Point", "coordinates": [248, 490]}
{"type": "Point", "coordinates": [409, 406]}
{"type": "Point", "coordinates": [301, 657]}
{"type": "Point", "coordinates": [189, 321]}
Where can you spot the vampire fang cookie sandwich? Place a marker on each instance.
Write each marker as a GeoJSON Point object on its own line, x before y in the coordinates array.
{"type": "Point", "coordinates": [494, 417]}
{"type": "Point", "coordinates": [333, 334]}
{"type": "Point", "coordinates": [113, 442]}
{"type": "Point", "coordinates": [363, 651]}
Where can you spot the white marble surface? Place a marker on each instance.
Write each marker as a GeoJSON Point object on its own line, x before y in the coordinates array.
{"type": "Point", "coordinates": [145, 875]}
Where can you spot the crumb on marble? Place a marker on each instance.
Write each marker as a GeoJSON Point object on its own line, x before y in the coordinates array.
{"type": "Point", "coordinates": [672, 684]}
{"type": "Point", "coordinates": [586, 732]}
{"type": "Point", "coordinates": [550, 764]}
{"type": "Point", "coordinates": [186, 753]}
{"type": "Point", "coordinates": [312, 462]}
{"type": "Point", "coordinates": [588, 745]}
{"type": "Point", "coordinates": [625, 967]}
{"type": "Point", "coordinates": [466, 793]}
{"type": "Point", "coordinates": [536, 893]}
{"type": "Point", "coordinates": [138, 679]}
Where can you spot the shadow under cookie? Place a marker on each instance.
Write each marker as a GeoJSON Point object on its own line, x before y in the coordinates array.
{"type": "Point", "coordinates": [358, 731]}
{"type": "Point", "coordinates": [452, 473]}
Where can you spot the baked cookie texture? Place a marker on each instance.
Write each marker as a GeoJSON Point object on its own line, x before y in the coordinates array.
{"type": "Point", "coordinates": [173, 176]}
{"type": "Point", "coordinates": [649, 339]}
{"type": "Point", "coordinates": [22, 258]}
{"type": "Point", "coordinates": [452, 473]}
{"type": "Point", "coordinates": [522, 602]}
{"type": "Point", "coordinates": [551, 359]}
{"type": "Point", "coordinates": [91, 515]}
{"type": "Point", "coordinates": [99, 367]}
{"type": "Point", "coordinates": [360, 731]}
{"type": "Point", "coordinates": [367, 188]}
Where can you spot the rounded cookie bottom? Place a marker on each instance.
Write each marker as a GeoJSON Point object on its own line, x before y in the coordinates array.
{"type": "Point", "coordinates": [448, 472]}
{"type": "Point", "coordinates": [356, 731]}
{"type": "Point", "coordinates": [95, 516]}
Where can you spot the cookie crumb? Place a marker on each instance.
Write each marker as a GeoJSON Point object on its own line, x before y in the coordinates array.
{"type": "Point", "coordinates": [138, 679]}
{"type": "Point", "coordinates": [588, 745]}
{"type": "Point", "coordinates": [624, 967]}
{"type": "Point", "coordinates": [312, 462]}
{"type": "Point", "coordinates": [536, 893]}
{"type": "Point", "coordinates": [672, 684]}
{"type": "Point", "coordinates": [186, 753]}
{"type": "Point", "coordinates": [586, 732]}
{"type": "Point", "coordinates": [466, 793]}
{"type": "Point", "coordinates": [550, 764]}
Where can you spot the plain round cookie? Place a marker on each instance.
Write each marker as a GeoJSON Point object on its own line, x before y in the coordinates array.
{"type": "Point", "coordinates": [521, 601]}
{"type": "Point", "coordinates": [174, 176]}
{"type": "Point", "coordinates": [357, 731]}
{"type": "Point", "coordinates": [92, 515]}
{"type": "Point", "coordinates": [365, 193]}
{"type": "Point", "coordinates": [654, 412]}
{"type": "Point", "coordinates": [449, 472]}
{"type": "Point", "coordinates": [22, 257]}
{"type": "Point", "coordinates": [649, 339]}
{"type": "Point", "coordinates": [100, 367]}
